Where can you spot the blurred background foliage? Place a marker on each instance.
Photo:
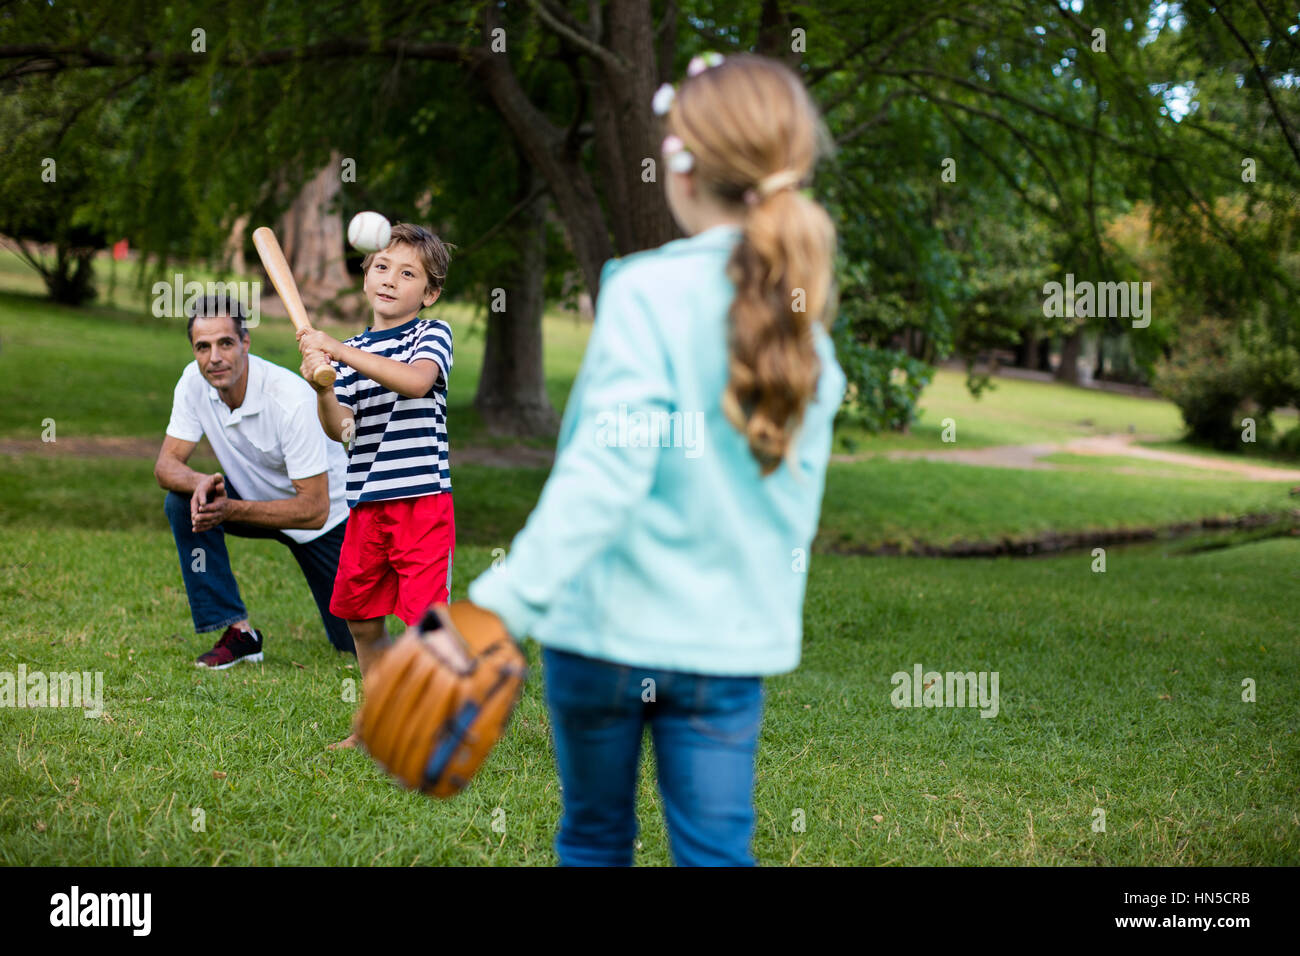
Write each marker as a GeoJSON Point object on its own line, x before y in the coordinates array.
{"type": "Point", "coordinates": [980, 150]}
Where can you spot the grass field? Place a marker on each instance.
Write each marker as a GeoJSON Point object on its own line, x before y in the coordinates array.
{"type": "Point", "coordinates": [1016, 412]}
{"type": "Point", "coordinates": [909, 503]}
{"type": "Point", "coordinates": [867, 504]}
{"type": "Point", "coordinates": [125, 366]}
{"type": "Point", "coordinates": [1119, 691]}
{"type": "Point", "coordinates": [1113, 462]}
{"type": "Point", "coordinates": [106, 339]}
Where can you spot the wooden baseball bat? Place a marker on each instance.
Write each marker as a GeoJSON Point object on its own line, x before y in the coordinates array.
{"type": "Point", "coordinates": [277, 267]}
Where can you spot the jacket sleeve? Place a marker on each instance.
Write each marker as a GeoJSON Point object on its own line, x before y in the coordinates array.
{"type": "Point", "coordinates": [600, 473]}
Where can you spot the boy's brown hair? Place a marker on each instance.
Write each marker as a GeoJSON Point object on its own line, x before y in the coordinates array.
{"type": "Point", "coordinates": [435, 255]}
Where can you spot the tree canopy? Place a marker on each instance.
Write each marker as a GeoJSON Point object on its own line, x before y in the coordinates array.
{"type": "Point", "coordinates": [981, 150]}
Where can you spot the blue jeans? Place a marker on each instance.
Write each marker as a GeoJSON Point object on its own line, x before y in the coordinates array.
{"type": "Point", "coordinates": [214, 598]}
{"type": "Point", "coordinates": [705, 731]}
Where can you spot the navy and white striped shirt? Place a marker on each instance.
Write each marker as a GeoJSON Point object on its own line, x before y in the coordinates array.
{"type": "Point", "coordinates": [400, 444]}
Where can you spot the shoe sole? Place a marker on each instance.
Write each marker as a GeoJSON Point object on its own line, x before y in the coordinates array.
{"type": "Point", "coordinates": [251, 658]}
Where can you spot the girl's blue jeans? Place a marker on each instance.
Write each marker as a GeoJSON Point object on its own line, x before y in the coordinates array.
{"type": "Point", "coordinates": [704, 730]}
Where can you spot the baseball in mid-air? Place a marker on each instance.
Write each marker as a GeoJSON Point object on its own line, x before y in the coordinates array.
{"type": "Point", "coordinates": [369, 232]}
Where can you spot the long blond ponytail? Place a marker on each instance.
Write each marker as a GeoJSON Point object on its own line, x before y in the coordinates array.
{"type": "Point", "coordinates": [754, 135]}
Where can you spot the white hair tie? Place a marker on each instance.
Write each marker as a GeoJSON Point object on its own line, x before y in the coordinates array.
{"type": "Point", "coordinates": [784, 179]}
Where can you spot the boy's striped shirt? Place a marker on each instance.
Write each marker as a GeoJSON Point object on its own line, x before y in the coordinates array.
{"type": "Point", "coordinates": [400, 444]}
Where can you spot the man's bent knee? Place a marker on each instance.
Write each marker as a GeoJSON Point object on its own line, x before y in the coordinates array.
{"type": "Point", "coordinates": [177, 507]}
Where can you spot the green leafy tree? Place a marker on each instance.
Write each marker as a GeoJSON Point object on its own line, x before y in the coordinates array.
{"type": "Point", "coordinates": [1056, 117]}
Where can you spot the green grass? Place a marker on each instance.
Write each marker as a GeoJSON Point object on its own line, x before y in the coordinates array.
{"type": "Point", "coordinates": [1017, 412]}
{"type": "Point", "coordinates": [126, 391]}
{"type": "Point", "coordinates": [867, 504]}
{"type": "Point", "coordinates": [115, 278]}
{"type": "Point", "coordinates": [101, 372]}
{"type": "Point", "coordinates": [106, 494]}
{"type": "Point", "coordinates": [1112, 462]}
{"type": "Point", "coordinates": [1119, 690]}
{"type": "Point", "coordinates": [907, 503]}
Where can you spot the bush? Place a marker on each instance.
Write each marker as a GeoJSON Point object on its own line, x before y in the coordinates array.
{"type": "Point", "coordinates": [1217, 375]}
{"type": "Point", "coordinates": [1289, 444]}
{"type": "Point", "coordinates": [884, 385]}
{"type": "Point", "coordinates": [1200, 379]}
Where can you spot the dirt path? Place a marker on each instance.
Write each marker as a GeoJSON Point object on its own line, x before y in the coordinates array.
{"type": "Point", "coordinates": [509, 456]}
{"type": "Point", "coordinates": [84, 447]}
{"type": "Point", "coordinates": [1028, 456]}
{"type": "Point", "coordinates": [1123, 445]}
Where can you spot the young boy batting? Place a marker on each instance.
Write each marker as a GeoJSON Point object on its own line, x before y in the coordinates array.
{"type": "Point", "coordinates": [389, 404]}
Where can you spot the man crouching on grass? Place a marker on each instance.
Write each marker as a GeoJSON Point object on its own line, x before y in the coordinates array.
{"type": "Point", "coordinates": [281, 478]}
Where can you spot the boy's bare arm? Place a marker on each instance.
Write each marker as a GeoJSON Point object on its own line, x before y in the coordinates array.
{"type": "Point", "coordinates": [410, 381]}
{"type": "Point", "coordinates": [333, 416]}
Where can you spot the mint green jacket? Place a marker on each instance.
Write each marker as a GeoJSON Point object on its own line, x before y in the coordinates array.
{"type": "Point", "coordinates": [656, 541]}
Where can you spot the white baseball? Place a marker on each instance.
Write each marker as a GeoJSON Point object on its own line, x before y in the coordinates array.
{"type": "Point", "coordinates": [369, 232]}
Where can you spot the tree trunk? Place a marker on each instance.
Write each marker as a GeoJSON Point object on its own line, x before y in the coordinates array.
{"type": "Point", "coordinates": [1070, 351]}
{"type": "Point", "coordinates": [1027, 349]}
{"type": "Point", "coordinates": [625, 129]}
{"type": "Point", "coordinates": [544, 144]}
{"type": "Point", "coordinates": [624, 136]}
{"type": "Point", "coordinates": [667, 40]}
{"type": "Point", "coordinates": [233, 254]}
{"type": "Point", "coordinates": [512, 397]}
{"type": "Point", "coordinates": [72, 280]}
{"type": "Point", "coordinates": [1043, 363]}
{"type": "Point", "coordinates": [311, 234]}
{"type": "Point", "coordinates": [774, 34]}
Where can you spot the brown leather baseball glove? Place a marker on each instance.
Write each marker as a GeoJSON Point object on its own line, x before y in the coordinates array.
{"type": "Point", "coordinates": [439, 698]}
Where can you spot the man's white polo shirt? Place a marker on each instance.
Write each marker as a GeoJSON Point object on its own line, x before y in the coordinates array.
{"type": "Point", "coordinates": [268, 441]}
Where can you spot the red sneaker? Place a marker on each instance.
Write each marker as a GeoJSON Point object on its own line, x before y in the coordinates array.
{"type": "Point", "coordinates": [234, 646]}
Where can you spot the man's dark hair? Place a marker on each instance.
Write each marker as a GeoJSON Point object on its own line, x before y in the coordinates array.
{"type": "Point", "coordinates": [215, 305]}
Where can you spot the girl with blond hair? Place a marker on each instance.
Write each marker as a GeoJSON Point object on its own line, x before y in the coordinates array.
{"type": "Point", "coordinates": [663, 568]}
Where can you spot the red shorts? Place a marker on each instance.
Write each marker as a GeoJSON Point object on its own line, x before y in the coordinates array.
{"type": "Point", "coordinates": [396, 558]}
